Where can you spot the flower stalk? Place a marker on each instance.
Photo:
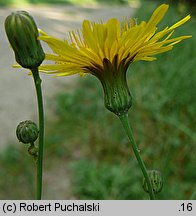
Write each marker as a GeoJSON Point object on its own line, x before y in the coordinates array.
{"type": "Point", "coordinates": [126, 125]}
{"type": "Point", "coordinates": [37, 82]}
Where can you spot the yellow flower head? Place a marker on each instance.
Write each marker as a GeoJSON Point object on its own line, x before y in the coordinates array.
{"type": "Point", "coordinates": [112, 41]}
{"type": "Point", "coordinates": [106, 50]}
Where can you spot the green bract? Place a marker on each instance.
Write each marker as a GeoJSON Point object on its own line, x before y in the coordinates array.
{"type": "Point", "coordinates": [22, 34]}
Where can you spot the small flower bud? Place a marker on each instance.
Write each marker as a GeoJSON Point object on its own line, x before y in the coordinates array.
{"type": "Point", "coordinates": [22, 34]}
{"type": "Point", "coordinates": [156, 180]}
{"type": "Point", "coordinates": [27, 132]}
{"type": "Point", "coordinates": [32, 150]}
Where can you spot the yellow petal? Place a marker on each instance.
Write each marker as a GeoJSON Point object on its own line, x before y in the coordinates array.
{"type": "Point", "coordinates": [179, 23]}
{"type": "Point", "coordinates": [113, 32]}
{"type": "Point", "coordinates": [100, 34]}
{"type": "Point", "coordinates": [145, 58]}
{"type": "Point", "coordinates": [89, 38]}
{"type": "Point", "coordinates": [158, 15]}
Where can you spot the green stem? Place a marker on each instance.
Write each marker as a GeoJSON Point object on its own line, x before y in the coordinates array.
{"type": "Point", "coordinates": [37, 82]}
{"type": "Point", "coordinates": [126, 125]}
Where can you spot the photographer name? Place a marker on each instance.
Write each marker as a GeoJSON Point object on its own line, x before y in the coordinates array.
{"type": "Point", "coordinates": [59, 207]}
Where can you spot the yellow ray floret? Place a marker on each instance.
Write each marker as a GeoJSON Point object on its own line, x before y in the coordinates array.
{"type": "Point", "coordinates": [126, 42]}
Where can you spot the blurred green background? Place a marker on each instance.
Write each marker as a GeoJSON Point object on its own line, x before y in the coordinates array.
{"type": "Point", "coordinates": [87, 145]}
{"type": "Point", "coordinates": [16, 2]}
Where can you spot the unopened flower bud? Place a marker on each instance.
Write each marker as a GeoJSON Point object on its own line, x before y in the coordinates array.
{"type": "Point", "coordinates": [156, 180]}
{"type": "Point", "coordinates": [22, 34]}
{"type": "Point", "coordinates": [27, 132]}
{"type": "Point", "coordinates": [32, 150]}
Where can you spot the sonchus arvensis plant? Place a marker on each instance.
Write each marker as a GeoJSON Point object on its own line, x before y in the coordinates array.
{"type": "Point", "coordinates": [106, 50]}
